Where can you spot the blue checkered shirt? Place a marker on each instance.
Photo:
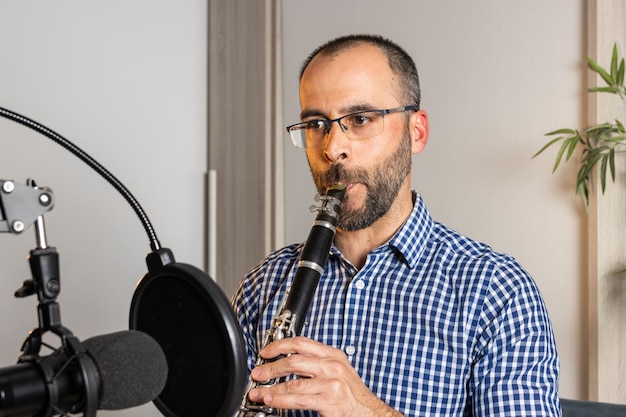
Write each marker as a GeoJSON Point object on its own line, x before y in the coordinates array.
{"type": "Point", "coordinates": [436, 324]}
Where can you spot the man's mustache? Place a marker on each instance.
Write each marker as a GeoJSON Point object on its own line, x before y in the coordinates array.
{"type": "Point", "coordinates": [339, 174]}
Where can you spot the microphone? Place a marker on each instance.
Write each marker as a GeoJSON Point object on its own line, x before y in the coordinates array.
{"type": "Point", "coordinates": [128, 367]}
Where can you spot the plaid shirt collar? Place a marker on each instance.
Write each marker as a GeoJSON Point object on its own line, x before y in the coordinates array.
{"type": "Point", "coordinates": [409, 242]}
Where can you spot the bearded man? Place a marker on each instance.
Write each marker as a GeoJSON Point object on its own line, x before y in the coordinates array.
{"type": "Point", "coordinates": [409, 317]}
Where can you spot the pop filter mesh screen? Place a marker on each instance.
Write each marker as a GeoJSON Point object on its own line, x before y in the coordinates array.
{"type": "Point", "coordinates": [189, 327]}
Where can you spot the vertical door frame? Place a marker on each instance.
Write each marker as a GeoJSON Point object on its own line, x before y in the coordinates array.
{"type": "Point", "coordinates": [245, 215]}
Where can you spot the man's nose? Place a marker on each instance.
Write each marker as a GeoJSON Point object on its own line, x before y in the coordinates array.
{"type": "Point", "coordinates": [336, 143]}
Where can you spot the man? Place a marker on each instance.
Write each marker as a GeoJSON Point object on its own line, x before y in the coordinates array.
{"type": "Point", "coordinates": [409, 317]}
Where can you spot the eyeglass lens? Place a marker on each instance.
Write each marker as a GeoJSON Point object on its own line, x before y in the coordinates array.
{"type": "Point", "coordinates": [356, 126]}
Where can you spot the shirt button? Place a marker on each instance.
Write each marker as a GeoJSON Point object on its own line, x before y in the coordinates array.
{"type": "Point", "coordinates": [350, 350]}
{"type": "Point", "coordinates": [360, 284]}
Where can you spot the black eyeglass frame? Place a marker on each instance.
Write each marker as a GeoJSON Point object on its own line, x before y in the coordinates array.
{"type": "Point", "coordinates": [329, 122]}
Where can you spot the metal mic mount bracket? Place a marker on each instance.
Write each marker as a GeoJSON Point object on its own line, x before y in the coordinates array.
{"type": "Point", "coordinates": [21, 205]}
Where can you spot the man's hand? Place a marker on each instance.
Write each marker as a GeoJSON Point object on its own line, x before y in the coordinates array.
{"type": "Point", "coordinates": [328, 383]}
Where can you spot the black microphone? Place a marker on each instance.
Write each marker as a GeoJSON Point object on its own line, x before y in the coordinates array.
{"type": "Point", "coordinates": [129, 367]}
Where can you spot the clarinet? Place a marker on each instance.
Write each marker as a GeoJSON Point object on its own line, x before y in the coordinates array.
{"type": "Point", "coordinates": [290, 317]}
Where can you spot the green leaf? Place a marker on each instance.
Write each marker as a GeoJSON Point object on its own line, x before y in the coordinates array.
{"type": "Point", "coordinates": [581, 177]}
{"type": "Point", "coordinates": [612, 163]}
{"type": "Point", "coordinates": [598, 127]}
{"type": "Point", "coordinates": [573, 141]}
{"type": "Point", "coordinates": [562, 132]}
{"type": "Point", "coordinates": [620, 73]}
{"type": "Point", "coordinates": [613, 90]}
{"type": "Point", "coordinates": [603, 165]}
{"type": "Point", "coordinates": [559, 155]}
{"type": "Point", "coordinates": [547, 145]}
{"type": "Point", "coordinates": [614, 62]}
{"type": "Point", "coordinates": [601, 71]}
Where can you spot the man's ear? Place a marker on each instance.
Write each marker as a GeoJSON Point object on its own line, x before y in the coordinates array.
{"type": "Point", "coordinates": [418, 125]}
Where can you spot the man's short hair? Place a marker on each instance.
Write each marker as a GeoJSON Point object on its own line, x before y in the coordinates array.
{"type": "Point", "coordinates": [400, 62]}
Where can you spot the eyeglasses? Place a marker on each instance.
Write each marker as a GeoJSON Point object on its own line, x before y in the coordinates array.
{"type": "Point", "coordinates": [359, 125]}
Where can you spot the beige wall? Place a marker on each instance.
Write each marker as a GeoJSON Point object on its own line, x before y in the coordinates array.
{"type": "Point", "coordinates": [496, 77]}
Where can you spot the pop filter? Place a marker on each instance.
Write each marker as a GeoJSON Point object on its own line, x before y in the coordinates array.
{"type": "Point", "coordinates": [191, 319]}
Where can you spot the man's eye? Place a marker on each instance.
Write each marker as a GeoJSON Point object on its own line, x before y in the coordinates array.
{"type": "Point", "coordinates": [359, 119]}
{"type": "Point", "coordinates": [315, 125]}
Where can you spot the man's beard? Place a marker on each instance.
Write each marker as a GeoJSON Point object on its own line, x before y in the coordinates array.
{"type": "Point", "coordinates": [382, 184]}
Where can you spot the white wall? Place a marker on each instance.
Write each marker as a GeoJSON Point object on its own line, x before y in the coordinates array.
{"type": "Point", "coordinates": [126, 81]}
{"type": "Point", "coordinates": [496, 76]}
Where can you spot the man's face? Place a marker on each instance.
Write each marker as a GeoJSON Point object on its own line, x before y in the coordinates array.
{"type": "Point", "coordinates": [375, 168]}
{"type": "Point", "coordinates": [380, 182]}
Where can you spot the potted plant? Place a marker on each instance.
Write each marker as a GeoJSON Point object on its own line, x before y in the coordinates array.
{"type": "Point", "coordinates": [599, 143]}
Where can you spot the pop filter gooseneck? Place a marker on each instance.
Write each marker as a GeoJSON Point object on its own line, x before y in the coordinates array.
{"type": "Point", "coordinates": [185, 311]}
{"type": "Point", "coordinates": [83, 156]}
